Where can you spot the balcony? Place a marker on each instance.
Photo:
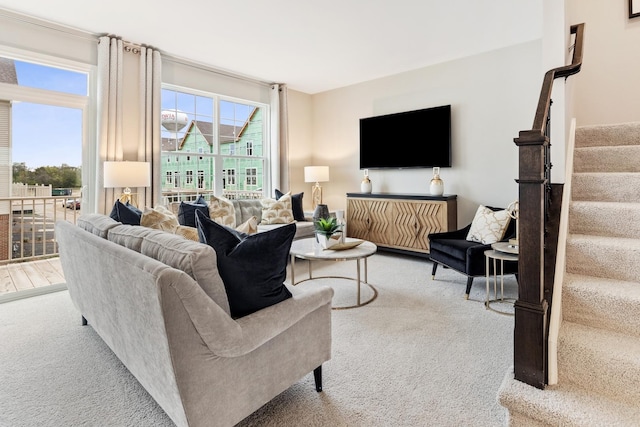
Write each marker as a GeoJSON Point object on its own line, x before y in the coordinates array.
{"type": "Point", "coordinates": [28, 251]}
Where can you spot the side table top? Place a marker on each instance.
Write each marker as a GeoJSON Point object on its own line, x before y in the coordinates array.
{"type": "Point", "coordinates": [492, 253]}
{"type": "Point", "coordinates": [309, 248]}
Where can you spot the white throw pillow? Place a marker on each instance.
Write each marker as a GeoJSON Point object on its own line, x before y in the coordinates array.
{"type": "Point", "coordinates": [488, 226]}
{"type": "Point", "coordinates": [277, 211]}
{"type": "Point", "coordinates": [221, 210]}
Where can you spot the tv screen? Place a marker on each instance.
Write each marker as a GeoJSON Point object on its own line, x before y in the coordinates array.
{"type": "Point", "coordinates": [411, 139]}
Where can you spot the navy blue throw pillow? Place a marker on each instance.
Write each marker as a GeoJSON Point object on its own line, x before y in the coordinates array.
{"type": "Point", "coordinates": [253, 267]}
{"type": "Point", "coordinates": [187, 211]}
{"type": "Point", "coordinates": [126, 213]}
{"type": "Point", "coordinates": [296, 205]}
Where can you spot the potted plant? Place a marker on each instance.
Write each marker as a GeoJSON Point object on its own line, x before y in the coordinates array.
{"type": "Point", "coordinates": [327, 231]}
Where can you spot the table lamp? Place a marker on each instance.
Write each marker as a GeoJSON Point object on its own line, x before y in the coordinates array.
{"type": "Point", "coordinates": [125, 175]}
{"type": "Point", "coordinates": [316, 174]}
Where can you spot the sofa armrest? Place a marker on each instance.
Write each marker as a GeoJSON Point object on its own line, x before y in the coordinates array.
{"type": "Point", "coordinates": [227, 337]}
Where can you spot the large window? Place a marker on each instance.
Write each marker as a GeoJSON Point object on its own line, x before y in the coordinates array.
{"type": "Point", "coordinates": [221, 141]}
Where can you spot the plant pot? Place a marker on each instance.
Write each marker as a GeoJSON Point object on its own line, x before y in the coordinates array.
{"type": "Point", "coordinates": [327, 241]}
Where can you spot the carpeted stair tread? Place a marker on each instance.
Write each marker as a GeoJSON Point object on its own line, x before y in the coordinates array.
{"type": "Point", "coordinates": [612, 257]}
{"type": "Point", "coordinates": [603, 361]}
{"type": "Point", "coordinates": [622, 158]}
{"type": "Point", "coordinates": [602, 303]}
{"type": "Point", "coordinates": [615, 134]}
{"type": "Point", "coordinates": [615, 219]}
{"type": "Point", "coordinates": [566, 405]}
{"type": "Point", "coordinates": [606, 187]}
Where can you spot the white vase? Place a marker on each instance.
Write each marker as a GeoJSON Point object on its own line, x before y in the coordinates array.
{"type": "Point", "coordinates": [327, 241]}
{"type": "Point", "coordinates": [365, 185]}
{"type": "Point", "coordinates": [436, 187]}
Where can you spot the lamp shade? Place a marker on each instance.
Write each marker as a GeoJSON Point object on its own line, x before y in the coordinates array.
{"type": "Point", "coordinates": [127, 174]}
{"type": "Point", "coordinates": [316, 173]}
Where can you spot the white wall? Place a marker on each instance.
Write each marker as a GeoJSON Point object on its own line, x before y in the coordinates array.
{"type": "Point", "coordinates": [607, 89]}
{"type": "Point", "coordinates": [493, 96]}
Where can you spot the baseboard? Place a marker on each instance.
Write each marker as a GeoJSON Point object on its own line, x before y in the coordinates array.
{"type": "Point", "coordinates": [28, 293]}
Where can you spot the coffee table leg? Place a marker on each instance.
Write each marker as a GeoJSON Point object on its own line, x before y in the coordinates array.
{"type": "Point", "coordinates": [293, 270]}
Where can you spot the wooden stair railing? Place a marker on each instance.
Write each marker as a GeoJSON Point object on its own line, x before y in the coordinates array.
{"type": "Point", "coordinates": [539, 203]}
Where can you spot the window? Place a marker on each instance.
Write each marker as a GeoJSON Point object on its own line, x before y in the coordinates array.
{"type": "Point", "coordinates": [214, 137]}
{"type": "Point", "coordinates": [176, 181]}
{"type": "Point", "coordinates": [169, 178]}
{"type": "Point", "coordinates": [200, 179]}
{"type": "Point", "coordinates": [251, 178]}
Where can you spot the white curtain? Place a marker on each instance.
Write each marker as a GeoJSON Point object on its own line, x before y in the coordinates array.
{"type": "Point", "coordinates": [109, 115]}
{"type": "Point", "coordinates": [150, 82]}
{"type": "Point", "coordinates": [142, 142]}
{"type": "Point", "coordinates": [280, 176]}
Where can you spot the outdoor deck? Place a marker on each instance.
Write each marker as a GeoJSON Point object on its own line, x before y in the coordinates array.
{"type": "Point", "coordinates": [21, 276]}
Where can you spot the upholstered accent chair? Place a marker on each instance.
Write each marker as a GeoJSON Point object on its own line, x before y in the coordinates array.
{"type": "Point", "coordinates": [452, 249]}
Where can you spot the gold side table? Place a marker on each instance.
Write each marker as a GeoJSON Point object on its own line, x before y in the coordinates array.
{"type": "Point", "coordinates": [495, 256]}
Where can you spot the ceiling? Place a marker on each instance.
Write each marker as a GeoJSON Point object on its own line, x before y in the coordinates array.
{"type": "Point", "coordinates": [312, 47]}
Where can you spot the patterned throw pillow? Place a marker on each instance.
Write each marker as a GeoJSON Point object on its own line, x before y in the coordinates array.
{"type": "Point", "coordinates": [277, 211]}
{"type": "Point", "coordinates": [221, 210]}
{"type": "Point", "coordinates": [296, 205]}
{"type": "Point", "coordinates": [250, 226]}
{"type": "Point", "coordinates": [190, 233]}
{"type": "Point", "coordinates": [488, 226]}
{"type": "Point", "coordinates": [159, 218]}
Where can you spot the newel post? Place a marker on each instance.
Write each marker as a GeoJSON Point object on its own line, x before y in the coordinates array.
{"type": "Point", "coordinates": [530, 333]}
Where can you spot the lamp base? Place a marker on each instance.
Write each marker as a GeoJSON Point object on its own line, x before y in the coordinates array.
{"type": "Point", "coordinates": [316, 195]}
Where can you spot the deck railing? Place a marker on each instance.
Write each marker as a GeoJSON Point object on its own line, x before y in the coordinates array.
{"type": "Point", "coordinates": [27, 225]}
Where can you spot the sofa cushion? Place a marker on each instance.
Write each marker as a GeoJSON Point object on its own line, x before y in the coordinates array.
{"type": "Point", "coordinates": [296, 205]}
{"type": "Point", "coordinates": [221, 210]}
{"type": "Point", "coordinates": [277, 211]}
{"type": "Point", "coordinates": [253, 267]}
{"type": "Point", "coordinates": [126, 213]}
{"type": "Point", "coordinates": [97, 224]}
{"type": "Point", "coordinates": [303, 229]}
{"type": "Point", "coordinates": [159, 218]}
{"type": "Point", "coordinates": [194, 258]}
{"type": "Point", "coordinates": [246, 208]}
{"type": "Point", "coordinates": [187, 211]}
{"type": "Point", "coordinates": [488, 226]}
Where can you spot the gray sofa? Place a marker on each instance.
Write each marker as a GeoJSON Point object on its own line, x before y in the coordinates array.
{"type": "Point", "coordinates": [157, 300]}
{"type": "Point", "coordinates": [246, 208]}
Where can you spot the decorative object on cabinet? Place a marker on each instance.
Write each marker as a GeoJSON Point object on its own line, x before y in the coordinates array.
{"type": "Point", "coordinates": [316, 174]}
{"type": "Point", "coordinates": [400, 222]}
{"type": "Point", "coordinates": [436, 187]}
{"type": "Point", "coordinates": [365, 185]}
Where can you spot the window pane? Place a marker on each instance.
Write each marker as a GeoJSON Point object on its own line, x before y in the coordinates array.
{"type": "Point", "coordinates": [44, 77]}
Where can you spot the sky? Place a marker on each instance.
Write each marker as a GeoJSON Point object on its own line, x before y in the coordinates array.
{"type": "Point", "coordinates": [44, 135]}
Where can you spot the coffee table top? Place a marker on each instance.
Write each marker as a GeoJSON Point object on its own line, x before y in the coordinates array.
{"type": "Point", "coordinates": [310, 249]}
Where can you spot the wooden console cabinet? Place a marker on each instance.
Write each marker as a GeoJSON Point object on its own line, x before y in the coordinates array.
{"type": "Point", "coordinates": [400, 222]}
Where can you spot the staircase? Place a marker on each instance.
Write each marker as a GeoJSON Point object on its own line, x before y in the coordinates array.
{"type": "Point", "coordinates": [599, 337]}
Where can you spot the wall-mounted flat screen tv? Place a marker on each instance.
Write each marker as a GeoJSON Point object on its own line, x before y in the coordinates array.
{"type": "Point", "coordinates": [411, 139]}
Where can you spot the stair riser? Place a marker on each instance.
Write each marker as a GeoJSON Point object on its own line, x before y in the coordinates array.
{"type": "Point", "coordinates": [606, 187]}
{"type": "Point", "coordinates": [621, 134]}
{"type": "Point", "coordinates": [607, 159]}
{"type": "Point", "coordinates": [619, 220]}
{"type": "Point", "coordinates": [603, 260]}
{"type": "Point", "coordinates": [579, 364]}
{"type": "Point", "coordinates": [600, 311]}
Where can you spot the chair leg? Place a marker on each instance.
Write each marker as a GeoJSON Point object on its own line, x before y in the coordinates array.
{"type": "Point", "coordinates": [317, 376]}
{"type": "Point", "coordinates": [469, 283]}
{"type": "Point", "coordinates": [433, 270]}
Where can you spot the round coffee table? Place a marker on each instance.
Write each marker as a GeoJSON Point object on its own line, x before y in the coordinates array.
{"type": "Point", "coordinates": [309, 249]}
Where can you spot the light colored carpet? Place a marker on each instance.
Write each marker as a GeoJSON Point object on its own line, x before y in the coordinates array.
{"type": "Point", "coordinates": [420, 354]}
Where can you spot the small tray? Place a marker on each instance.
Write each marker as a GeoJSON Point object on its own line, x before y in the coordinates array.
{"type": "Point", "coordinates": [344, 246]}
